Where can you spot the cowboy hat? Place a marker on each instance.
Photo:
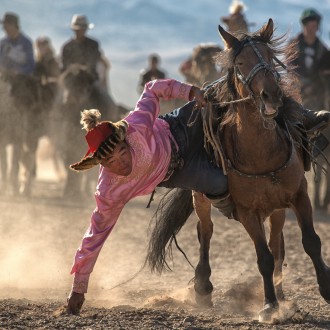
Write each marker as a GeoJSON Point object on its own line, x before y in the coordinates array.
{"type": "Point", "coordinates": [79, 22]}
{"type": "Point", "coordinates": [102, 138]}
{"type": "Point", "coordinates": [10, 18]}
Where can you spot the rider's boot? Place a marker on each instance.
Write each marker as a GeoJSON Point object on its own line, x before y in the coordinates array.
{"type": "Point", "coordinates": [224, 204]}
{"type": "Point", "coordinates": [315, 120]}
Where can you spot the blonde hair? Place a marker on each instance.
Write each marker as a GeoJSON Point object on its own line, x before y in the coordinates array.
{"type": "Point", "coordinates": [236, 7]}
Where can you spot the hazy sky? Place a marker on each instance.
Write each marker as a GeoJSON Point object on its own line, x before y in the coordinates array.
{"type": "Point", "coordinates": [129, 30]}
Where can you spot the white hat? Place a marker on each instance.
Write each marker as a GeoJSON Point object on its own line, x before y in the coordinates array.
{"type": "Point", "coordinates": [80, 22]}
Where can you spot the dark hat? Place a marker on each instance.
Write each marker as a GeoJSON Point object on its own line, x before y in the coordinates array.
{"type": "Point", "coordinates": [105, 132]}
{"type": "Point", "coordinates": [310, 14]}
{"type": "Point", "coordinates": [10, 18]}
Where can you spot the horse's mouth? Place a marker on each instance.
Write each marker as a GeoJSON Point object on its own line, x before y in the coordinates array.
{"type": "Point", "coordinates": [269, 111]}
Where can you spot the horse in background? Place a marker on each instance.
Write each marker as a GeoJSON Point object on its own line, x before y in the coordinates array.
{"type": "Point", "coordinates": [9, 135]}
{"type": "Point", "coordinates": [77, 92]}
{"type": "Point", "coordinates": [24, 106]}
{"type": "Point", "coordinates": [201, 68]}
{"type": "Point", "coordinates": [265, 163]}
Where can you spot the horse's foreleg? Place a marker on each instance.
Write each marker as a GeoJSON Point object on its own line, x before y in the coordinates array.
{"type": "Point", "coordinates": [311, 241]}
{"type": "Point", "coordinates": [253, 223]}
{"type": "Point", "coordinates": [14, 170]}
{"type": "Point", "coordinates": [202, 283]}
{"type": "Point", "coordinates": [276, 245]}
{"type": "Point", "coordinates": [4, 168]}
{"type": "Point", "coordinates": [29, 162]}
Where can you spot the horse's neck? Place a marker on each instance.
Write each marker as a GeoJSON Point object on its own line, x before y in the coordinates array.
{"type": "Point", "coordinates": [253, 147]}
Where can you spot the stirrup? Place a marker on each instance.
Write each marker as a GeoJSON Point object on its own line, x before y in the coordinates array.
{"type": "Point", "coordinates": [225, 205]}
{"type": "Point", "coordinates": [316, 130]}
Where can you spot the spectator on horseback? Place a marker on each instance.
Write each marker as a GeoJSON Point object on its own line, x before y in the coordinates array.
{"type": "Point", "coordinates": [84, 50]}
{"type": "Point", "coordinates": [16, 49]}
{"type": "Point", "coordinates": [151, 73]}
{"type": "Point", "coordinates": [136, 155]}
{"type": "Point", "coordinates": [81, 48]}
{"type": "Point", "coordinates": [311, 55]}
{"type": "Point", "coordinates": [47, 68]}
{"type": "Point", "coordinates": [47, 65]}
{"type": "Point", "coordinates": [236, 21]}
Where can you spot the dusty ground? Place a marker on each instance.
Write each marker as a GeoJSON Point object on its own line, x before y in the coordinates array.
{"type": "Point", "coordinates": [39, 237]}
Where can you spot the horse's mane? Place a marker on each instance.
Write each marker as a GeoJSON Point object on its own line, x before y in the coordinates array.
{"type": "Point", "coordinates": [225, 90]}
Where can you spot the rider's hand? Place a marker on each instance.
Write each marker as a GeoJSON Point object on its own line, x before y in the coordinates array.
{"type": "Point", "coordinates": [75, 302]}
{"type": "Point", "coordinates": [197, 94]}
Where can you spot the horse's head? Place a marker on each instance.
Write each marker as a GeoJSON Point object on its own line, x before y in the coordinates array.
{"type": "Point", "coordinates": [78, 82]}
{"type": "Point", "coordinates": [204, 68]}
{"type": "Point", "coordinates": [252, 64]}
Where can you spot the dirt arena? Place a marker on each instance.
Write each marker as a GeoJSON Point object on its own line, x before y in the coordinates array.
{"type": "Point", "coordinates": [40, 235]}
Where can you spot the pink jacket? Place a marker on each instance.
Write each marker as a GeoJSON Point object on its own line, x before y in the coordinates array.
{"type": "Point", "coordinates": [149, 139]}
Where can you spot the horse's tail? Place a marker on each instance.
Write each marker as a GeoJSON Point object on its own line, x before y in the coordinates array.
{"type": "Point", "coordinates": [173, 211]}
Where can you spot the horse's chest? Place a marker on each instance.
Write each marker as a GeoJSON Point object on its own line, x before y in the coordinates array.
{"type": "Point", "coordinates": [272, 190]}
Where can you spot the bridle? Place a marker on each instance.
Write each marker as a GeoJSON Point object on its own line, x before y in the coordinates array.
{"type": "Point", "coordinates": [261, 65]}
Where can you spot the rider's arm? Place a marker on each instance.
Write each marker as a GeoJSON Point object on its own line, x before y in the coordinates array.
{"type": "Point", "coordinates": [103, 221]}
{"type": "Point", "coordinates": [148, 106]}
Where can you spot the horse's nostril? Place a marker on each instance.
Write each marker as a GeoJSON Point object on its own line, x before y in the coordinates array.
{"type": "Point", "coordinates": [264, 95]}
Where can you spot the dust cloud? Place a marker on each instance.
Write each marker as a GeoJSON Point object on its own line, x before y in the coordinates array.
{"type": "Point", "coordinates": [40, 234]}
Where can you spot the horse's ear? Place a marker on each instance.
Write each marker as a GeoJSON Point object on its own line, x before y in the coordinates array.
{"type": "Point", "coordinates": [266, 32]}
{"type": "Point", "coordinates": [229, 40]}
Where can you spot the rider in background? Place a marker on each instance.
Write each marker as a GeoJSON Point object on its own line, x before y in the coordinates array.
{"type": "Point", "coordinates": [81, 48]}
{"type": "Point", "coordinates": [236, 21]}
{"type": "Point", "coordinates": [309, 63]}
{"type": "Point", "coordinates": [16, 49]}
{"type": "Point", "coordinates": [84, 50]}
{"type": "Point", "coordinates": [47, 67]}
{"type": "Point", "coordinates": [151, 73]}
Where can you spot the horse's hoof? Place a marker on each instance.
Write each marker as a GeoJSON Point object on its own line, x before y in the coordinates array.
{"type": "Point", "coordinates": [203, 300]}
{"type": "Point", "coordinates": [325, 288]}
{"type": "Point", "coordinates": [268, 312]}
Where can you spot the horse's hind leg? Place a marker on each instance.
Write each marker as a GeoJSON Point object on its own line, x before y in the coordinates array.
{"type": "Point", "coordinates": [326, 200]}
{"type": "Point", "coordinates": [276, 245]}
{"type": "Point", "coordinates": [311, 241]}
{"type": "Point", "coordinates": [202, 283]}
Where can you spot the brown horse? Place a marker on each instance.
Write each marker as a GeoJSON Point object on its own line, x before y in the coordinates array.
{"type": "Point", "coordinates": [201, 68]}
{"type": "Point", "coordinates": [263, 159]}
{"type": "Point", "coordinates": [24, 108]}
